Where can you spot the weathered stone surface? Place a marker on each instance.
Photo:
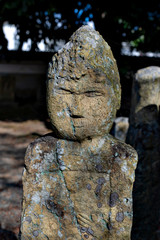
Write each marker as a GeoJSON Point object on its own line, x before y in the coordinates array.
{"type": "Point", "coordinates": [82, 77]}
{"type": "Point", "coordinates": [65, 191]}
{"type": "Point", "coordinates": [144, 136]}
{"type": "Point", "coordinates": [145, 92]}
{"type": "Point", "coordinates": [78, 180]}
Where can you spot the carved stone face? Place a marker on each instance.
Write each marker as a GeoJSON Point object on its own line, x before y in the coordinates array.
{"type": "Point", "coordinates": [83, 90]}
{"type": "Point", "coordinates": [83, 108]}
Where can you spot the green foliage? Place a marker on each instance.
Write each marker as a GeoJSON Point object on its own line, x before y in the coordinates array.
{"type": "Point", "coordinates": [137, 22]}
{"type": "Point", "coordinates": [135, 43]}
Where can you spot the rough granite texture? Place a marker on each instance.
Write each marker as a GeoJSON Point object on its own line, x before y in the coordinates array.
{"type": "Point", "coordinates": [77, 181]}
{"type": "Point", "coordinates": [144, 136]}
{"type": "Point", "coordinates": [83, 76]}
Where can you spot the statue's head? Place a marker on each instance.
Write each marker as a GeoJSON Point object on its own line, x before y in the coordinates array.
{"type": "Point", "coordinates": [83, 89]}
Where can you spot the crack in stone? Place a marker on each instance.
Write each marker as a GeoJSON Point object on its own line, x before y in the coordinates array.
{"type": "Point", "coordinates": [72, 123]}
{"type": "Point", "coordinates": [73, 127]}
{"type": "Point", "coordinates": [68, 191]}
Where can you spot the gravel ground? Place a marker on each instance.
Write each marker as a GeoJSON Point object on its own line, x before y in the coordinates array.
{"type": "Point", "coordinates": [14, 139]}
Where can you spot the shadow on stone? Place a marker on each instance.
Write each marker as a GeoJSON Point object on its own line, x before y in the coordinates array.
{"type": "Point", "coordinates": [145, 138]}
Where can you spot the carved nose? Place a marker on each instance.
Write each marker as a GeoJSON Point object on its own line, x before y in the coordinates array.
{"type": "Point", "coordinates": [75, 112]}
{"type": "Point", "coordinates": [76, 107]}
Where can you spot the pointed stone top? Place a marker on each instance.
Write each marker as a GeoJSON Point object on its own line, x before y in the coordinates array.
{"type": "Point", "coordinates": [86, 50]}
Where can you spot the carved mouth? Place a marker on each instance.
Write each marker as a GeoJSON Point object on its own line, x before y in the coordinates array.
{"type": "Point", "coordinates": [76, 116]}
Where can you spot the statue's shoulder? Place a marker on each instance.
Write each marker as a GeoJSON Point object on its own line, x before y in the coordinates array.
{"type": "Point", "coordinates": [42, 144]}
{"type": "Point", "coordinates": [122, 151]}
{"type": "Point", "coordinates": [41, 153]}
{"type": "Point", "coordinates": [43, 141]}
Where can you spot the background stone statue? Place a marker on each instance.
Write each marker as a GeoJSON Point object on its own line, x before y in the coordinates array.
{"type": "Point", "coordinates": [144, 136]}
{"type": "Point", "coordinates": [78, 181]}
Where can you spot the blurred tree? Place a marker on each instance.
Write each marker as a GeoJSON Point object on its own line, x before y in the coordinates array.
{"type": "Point", "coordinates": [33, 19]}
{"type": "Point", "coordinates": [136, 22]}
{"type": "Point", "coordinates": [41, 20]}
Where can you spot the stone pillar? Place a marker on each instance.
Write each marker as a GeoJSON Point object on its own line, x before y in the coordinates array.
{"type": "Point", "coordinates": [121, 128]}
{"type": "Point", "coordinates": [77, 181]}
{"type": "Point", "coordinates": [144, 136]}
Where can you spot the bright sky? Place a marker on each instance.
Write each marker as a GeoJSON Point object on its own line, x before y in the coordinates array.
{"type": "Point", "coordinates": [10, 32]}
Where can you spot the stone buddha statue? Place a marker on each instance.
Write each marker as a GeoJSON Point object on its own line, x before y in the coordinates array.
{"type": "Point", "coordinates": [77, 181]}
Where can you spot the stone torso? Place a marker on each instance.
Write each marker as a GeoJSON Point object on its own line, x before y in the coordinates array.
{"type": "Point", "coordinates": [83, 190]}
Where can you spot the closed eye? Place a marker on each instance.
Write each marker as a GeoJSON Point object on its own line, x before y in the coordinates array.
{"type": "Point", "coordinates": [63, 91]}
